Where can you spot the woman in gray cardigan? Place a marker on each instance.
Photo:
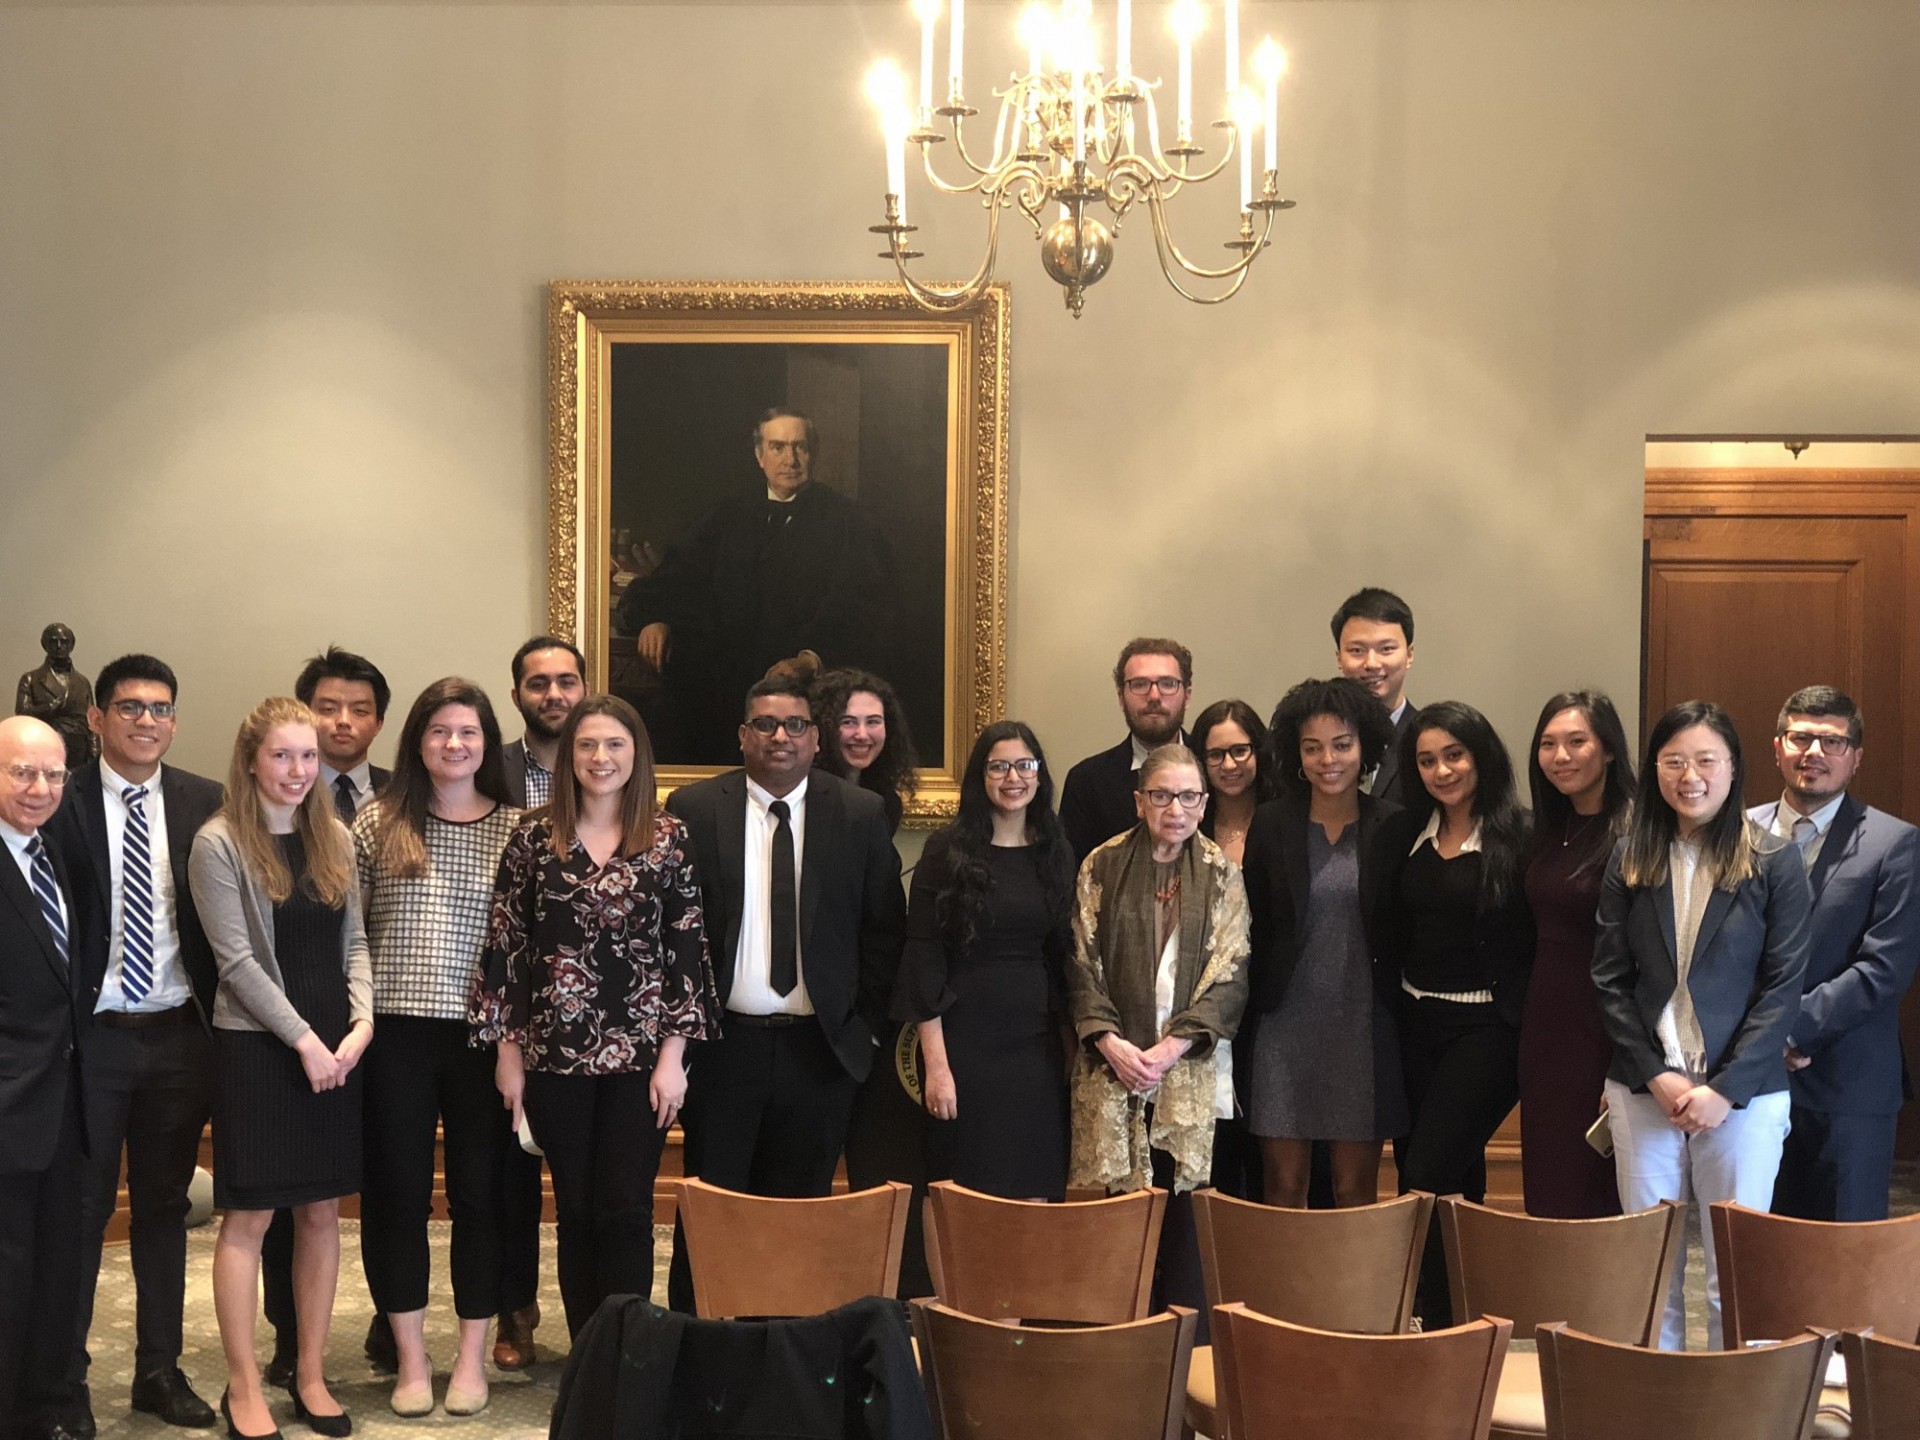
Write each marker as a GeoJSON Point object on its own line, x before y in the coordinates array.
{"type": "Point", "coordinates": [273, 878]}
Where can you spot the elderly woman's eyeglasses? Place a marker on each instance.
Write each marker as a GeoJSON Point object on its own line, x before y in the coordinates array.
{"type": "Point", "coordinates": [1189, 799]}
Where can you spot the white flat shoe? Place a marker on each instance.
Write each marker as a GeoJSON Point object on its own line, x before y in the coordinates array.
{"type": "Point", "coordinates": [466, 1402]}
{"type": "Point", "coordinates": [412, 1401]}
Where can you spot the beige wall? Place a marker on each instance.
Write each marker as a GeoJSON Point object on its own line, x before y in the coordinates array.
{"type": "Point", "coordinates": [271, 367]}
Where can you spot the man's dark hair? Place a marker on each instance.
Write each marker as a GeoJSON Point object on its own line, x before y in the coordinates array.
{"type": "Point", "coordinates": [1821, 700]}
{"type": "Point", "coordinates": [787, 412]}
{"type": "Point", "coordinates": [333, 663]}
{"type": "Point", "coordinates": [133, 667]}
{"type": "Point", "coordinates": [779, 685]}
{"type": "Point", "coordinates": [547, 642]}
{"type": "Point", "coordinates": [1153, 645]}
{"type": "Point", "coordinates": [1372, 603]}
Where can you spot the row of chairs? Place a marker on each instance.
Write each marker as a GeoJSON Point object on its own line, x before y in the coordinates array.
{"type": "Point", "coordinates": [1312, 1312]}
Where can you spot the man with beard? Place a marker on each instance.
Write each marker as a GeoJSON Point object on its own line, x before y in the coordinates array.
{"type": "Point", "coordinates": [1843, 1053]}
{"type": "Point", "coordinates": [1153, 679]}
{"type": "Point", "coordinates": [1373, 643]}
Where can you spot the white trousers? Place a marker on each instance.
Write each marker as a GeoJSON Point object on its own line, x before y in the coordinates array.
{"type": "Point", "coordinates": [1652, 1162]}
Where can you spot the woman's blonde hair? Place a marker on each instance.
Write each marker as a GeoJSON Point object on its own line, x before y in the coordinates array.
{"type": "Point", "coordinates": [329, 848]}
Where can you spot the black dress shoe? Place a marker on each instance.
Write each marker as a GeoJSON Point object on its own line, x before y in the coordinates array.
{"type": "Point", "coordinates": [333, 1425]}
{"type": "Point", "coordinates": [64, 1430]}
{"type": "Point", "coordinates": [234, 1432]}
{"type": "Point", "coordinates": [382, 1353]}
{"type": "Point", "coordinates": [281, 1367]}
{"type": "Point", "coordinates": [167, 1394]}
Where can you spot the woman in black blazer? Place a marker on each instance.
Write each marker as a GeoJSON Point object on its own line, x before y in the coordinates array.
{"type": "Point", "coordinates": [1453, 944]}
{"type": "Point", "coordinates": [1326, 1061]}
{"type": "Point", "coordinates": [1702, 943]}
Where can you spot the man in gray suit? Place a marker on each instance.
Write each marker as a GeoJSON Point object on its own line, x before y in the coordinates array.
{"type": "Point", "coordinates": [1847, 1077]}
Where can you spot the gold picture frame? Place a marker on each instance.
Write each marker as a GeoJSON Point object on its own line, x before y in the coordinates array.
{"type": "Point", "coordinates": [598, 384]}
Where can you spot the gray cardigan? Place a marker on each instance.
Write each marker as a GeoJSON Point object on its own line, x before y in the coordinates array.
{"type": "Point", "coordinates": [238, 917]}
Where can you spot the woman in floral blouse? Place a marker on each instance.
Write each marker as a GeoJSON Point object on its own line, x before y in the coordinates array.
{"type": "Point", "coordinates": [596, 977]}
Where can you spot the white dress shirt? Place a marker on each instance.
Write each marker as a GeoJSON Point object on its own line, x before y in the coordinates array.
{"type": "Point", "coordinates": [753, 992]}
{"type": "Point", "coordinates": [360, 777]}
{"type": "Point", "coordinates": [1784, 817]}
{"type": "Point", "coordinates": [17, 842]}
{"type": "Point", "coordinates": [170, 989]}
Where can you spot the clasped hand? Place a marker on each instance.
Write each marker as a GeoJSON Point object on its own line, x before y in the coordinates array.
{"type": "Point", "coordinates": [1140, 1070]}
{"type": "Point", "coordinates": [1691, 1109]}
{"type": "Point", "coordinates": [328, 1069]}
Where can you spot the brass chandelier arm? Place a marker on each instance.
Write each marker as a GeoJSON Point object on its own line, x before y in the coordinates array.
{"type": "Point", "coordinates": [1163, 242]}
{"type": "Point", "coordinates": [936, 297]}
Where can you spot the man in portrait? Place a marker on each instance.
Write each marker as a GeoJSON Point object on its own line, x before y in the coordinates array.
{"type": "Point", "coordinates": [793, 565]}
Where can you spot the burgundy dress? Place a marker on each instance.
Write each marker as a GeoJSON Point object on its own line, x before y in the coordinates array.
{"type": "Point", "coordinates": [1564, 1050]}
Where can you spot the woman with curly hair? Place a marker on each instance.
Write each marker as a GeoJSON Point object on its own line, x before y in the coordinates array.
{"type": "Point", "coordinates": [864, 736]}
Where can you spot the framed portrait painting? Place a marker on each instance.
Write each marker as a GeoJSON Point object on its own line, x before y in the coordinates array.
{"type": "Point", "coordinates": [740, 473]}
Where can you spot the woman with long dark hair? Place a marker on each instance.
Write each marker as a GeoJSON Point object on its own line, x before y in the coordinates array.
{"type": "Point", "coordinates": [989, 925]}
{"type": "Point", "coordinates": [596, 978]}
{"type": "Point", "coordinates": [1580, 771]}
{"type": "Point", "coordinates": [1453, 943]}
{"type": "Point", "coordinates": [1701, 946]}
{"type": "Point", "coordinates": [864, 736]}
{"type": "Point", "coordinates": [1326, 1060]}
{"type": "Point", "coordinates": [428, 848]}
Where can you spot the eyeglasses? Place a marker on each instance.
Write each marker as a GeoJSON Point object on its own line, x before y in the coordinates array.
{"type": "Point", "coordinates": [25, 775]}
{"type": "Point", "coordinates": [1238, 754]}
{"type": "Point", "coordinates": [999, 769]}
{"type": "Point", "coordinates": [772, 725]}
{"type": "Point", "coordinates": [1799, 742]}
{"type": "Point", "coordinates": [134, 709]}
{"type": "Point", "coordinates": [1705, 766]}
{"type": "Point", "coordinates": [1189, 799]}
{"type": "Point", "coordinates": [1147, 684]}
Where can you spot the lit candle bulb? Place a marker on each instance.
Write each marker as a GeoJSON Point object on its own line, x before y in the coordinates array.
{"type": "Point", "coordinates": [1233, 54]}
{"type": "Point", "coordinates": [1035, 23]}
{"type": "Point", "coordinates": [1186, 19]}
{"type": "Point", "coordinates": [1123, 40]}
{"type": "Point", "coordinates": [1270, 63]}
{"type": "Point", "coordinates": [887, 89]}
{"type": "Point", "coordinates": [956, 47]}
{"type": "Point", "coordinates": [1246, 116]}
{"type": "Point", "coordinates": [928, 11]}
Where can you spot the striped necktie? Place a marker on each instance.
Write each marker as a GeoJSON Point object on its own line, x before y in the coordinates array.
{"type": "Point", "coordinates": [46, 890]}
{"type": "Point", "coordinates": [136, 896]}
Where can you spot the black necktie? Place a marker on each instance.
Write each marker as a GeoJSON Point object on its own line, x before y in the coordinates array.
{"type": "Point", "coordinates": [784, 973]}
{"type": "Point", "coordinates": [343, 799]}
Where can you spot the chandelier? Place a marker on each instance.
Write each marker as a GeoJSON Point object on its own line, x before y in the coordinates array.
{"type": "Point", "coordinates": [1073, 137]}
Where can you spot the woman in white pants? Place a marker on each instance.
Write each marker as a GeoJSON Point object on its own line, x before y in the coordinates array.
{"type": "Point", "coordinates": [1702, 940]}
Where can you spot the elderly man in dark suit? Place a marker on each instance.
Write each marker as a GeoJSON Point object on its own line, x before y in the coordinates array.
{"type": "Point", "coordinates": [127, 827]}
{"type": "Point", "coordinates": [1846, 1074]}
{"type": "Point", "coordinates": [1154, 680]}
{"type": "Point", "coordinates": [49, 960]}
{"type": "Point", "coordinates": [800, 885]}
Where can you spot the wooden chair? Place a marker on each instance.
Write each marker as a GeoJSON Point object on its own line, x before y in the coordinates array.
{"type": "Point", "coordinates": [1779, 1276]}
{"type": "Point", "coordinates": [1350, 1270]}
{"type": "Point", "coordinates": [1600, 1390]}
{"type": "Point", "coordinates": [1605, 1277]}
{"type": "Point", "coordinates": [1883, 1386]}
{"type": "Point", "coordinates": [1281, 1381]}
{"type": "Point", "coordinates": [752, 1255]}
{"type": "Point", "coordinates": [991, 1381]}
{"type": "Point", "coordinates": [1086, 1262]}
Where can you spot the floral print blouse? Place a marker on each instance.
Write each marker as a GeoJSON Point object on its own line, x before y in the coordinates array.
{"type": "Point", "coordinates": [587, 966]}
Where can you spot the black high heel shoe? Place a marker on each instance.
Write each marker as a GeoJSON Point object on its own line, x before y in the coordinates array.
{"type": "Point", "coordinates": [332, 1425]}
{"type": "Point", "coordinates": [234, 1432]}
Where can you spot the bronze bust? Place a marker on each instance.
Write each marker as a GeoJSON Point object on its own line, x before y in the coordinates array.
{"type": "Point", "coordinates": [59, 694]}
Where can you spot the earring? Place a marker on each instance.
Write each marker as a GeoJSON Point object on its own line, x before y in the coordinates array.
{"type": "Point", "coordinates": [1301, 772]}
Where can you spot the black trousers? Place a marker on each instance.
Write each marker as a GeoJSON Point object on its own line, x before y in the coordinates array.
{"type": "Point", "coordinates": [41, 1243]}
{"type": "Point", "coordinates": [1836, 1167]}
{"type": "Point", "coordinates": [603, 1151]}
{"type": "Point", "coordinates": [149, 1091]}
{"type": "Point", "coordinates": [519, 1199]}
{"type": "Point", "coordinates": [887, 1140]}
{"type": "Point", "coordinates": [767, 1114]}
{"type": "Point", "coordinates": [421, 1073]}
{"type": "Point", "coordinates": [1177, 1275]}
{"type": "Point", "coordinates": [276, 1282]}
{"type": "Point", "coordinates": [1462, 1069]}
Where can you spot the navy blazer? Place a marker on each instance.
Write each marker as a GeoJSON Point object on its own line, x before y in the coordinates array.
{"type": "Point", "coordinates": [40, 1014]}
{"type": "Point", "coordinates": [1748, 957]}
{"type": "Point", "coordinates": [1389, 781]}
{"type": "Point", "coordinates": [1861, 958]}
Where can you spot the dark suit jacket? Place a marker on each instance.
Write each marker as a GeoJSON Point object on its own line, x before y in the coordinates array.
{"type": "Point", "coordinates": [1277, 880]}
{"type": "Point", "coordinates": [853, 913]}
{"type": "Point", "coordinates": [1502, 934]}
{"type": "Point", "coordinates": [514, 759]}
{"type": "Point", "coordinates": [41, 1005]}
{"type": "Point", "coordinates": [78, 831]}
{"type": "Point", "coordinates": [1096, 803]}
{"type": "Point", "coordinates": [1861, 958]}
{"type": "Point", "coordinates": [1748, 959]}
{"type": "Point", "coordinates": [1390, 781]}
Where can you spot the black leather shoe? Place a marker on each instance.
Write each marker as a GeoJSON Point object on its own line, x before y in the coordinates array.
{"type": "Point", "coordinates": [382, 1353]}
{"type": "Point", "coordinates": [279, 1371]}
{"type": "Point", "coordinates": [332, 1425]}
{"type": "Point", "coordinates": [167, 1394]}
{"type": "Point", "coordinates": [65, 1430]}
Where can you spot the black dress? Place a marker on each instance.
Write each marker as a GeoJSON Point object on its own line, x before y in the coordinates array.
{"type": "Point", "coordinates": [999, 1001]}
{"type": "Point", "coordinates": [275, 1142]}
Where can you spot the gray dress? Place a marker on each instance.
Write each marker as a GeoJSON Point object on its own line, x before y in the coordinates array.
{"type": "Point", "coordinates": [1326, 1065]}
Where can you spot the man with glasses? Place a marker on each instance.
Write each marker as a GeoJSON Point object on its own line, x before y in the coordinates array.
{"type": "Point", "coordinates": [1153, 679]}
{"type": "Point", "coordinates": [127, 827]}
{"type": "Point", "coordinates": [800, 888]}
{"type": "Point", "coordinates": [1846, 1074]}
{"type": "Point", "coordinates": [50, 956]}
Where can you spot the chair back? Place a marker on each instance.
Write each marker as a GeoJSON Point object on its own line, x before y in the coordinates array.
{"type": "Point", "coordinates": [1883, 1386]}
{"type": "Point", "coordinates": [1277, 1381]}
{"type": "Point", "coordinates": [752, 1255]}
{"type": "Point", "coordinates": [1596, 1389]}
{"type": "Point", "coordinates": [1084, 1261]}
{"type": "Point", "coordinates": [1105, 1382]}
{"type": "Point", "coordinates": [1605, 1277]}
{"type": "Point", "coordinates": [1779, 1276]}
{"type": "Point", "coordinates": [1353, 1270]}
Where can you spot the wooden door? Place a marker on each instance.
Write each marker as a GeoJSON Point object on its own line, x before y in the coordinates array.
{"type": "Point", "coordinates": [1761, 581]}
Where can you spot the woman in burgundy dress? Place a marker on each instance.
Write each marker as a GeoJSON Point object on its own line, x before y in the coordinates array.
{"type": "Point", "coordinates": [1581, 770]}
